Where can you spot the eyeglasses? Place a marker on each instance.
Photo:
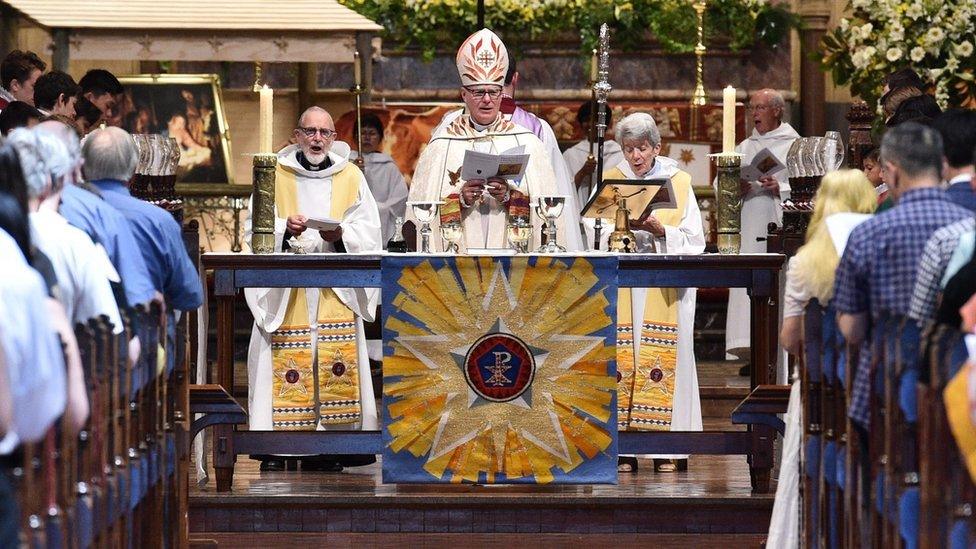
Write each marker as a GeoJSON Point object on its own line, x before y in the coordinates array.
{"type": "Point", "coordinates": [754, 108]}
{"type": "Point", "coordinates": [326, 132]}
{"type": "Point", "coordinates": [491, 93]}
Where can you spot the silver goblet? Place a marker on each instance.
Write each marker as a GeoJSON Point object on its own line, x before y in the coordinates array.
{"type": "Point", "coordinates": [425, 212]}
{"type": "Point", "coordinates": [550, 207]}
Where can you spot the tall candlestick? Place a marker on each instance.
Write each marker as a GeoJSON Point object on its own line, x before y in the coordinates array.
{"type": "Point", "coordinates": [357, 71]}
{"type": "Point", "coordinates": [265, 120]}
{"type": "Point", "coordinates": [594, 70]}
{"type": "Point", "coordinates": [728, 120]}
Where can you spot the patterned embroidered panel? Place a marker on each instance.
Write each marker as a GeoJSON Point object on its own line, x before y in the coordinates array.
{"type": "Point", "coordinates": [338, 374]}
{"type": "Point", "coordinates": [499, 370]}
{"type": "Point", "coordinates": [653, 398]}
{"type": "Point", "coordinates": [293, 385]}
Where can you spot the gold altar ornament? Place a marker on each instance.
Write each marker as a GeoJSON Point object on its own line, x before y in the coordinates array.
{"type": "Point", "coordinates": [729, 202]}
{"type": "Point", "coordinates": [263, 212]}
{"type": "Point", "coordinates": [622, 239]}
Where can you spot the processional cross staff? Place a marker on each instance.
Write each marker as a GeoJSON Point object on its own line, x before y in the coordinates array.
{"type": "Point", "coordinates": [601, 90]}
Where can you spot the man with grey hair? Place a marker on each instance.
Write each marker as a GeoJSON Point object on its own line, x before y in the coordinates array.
{"type": "Point", "coordinates": [84, 208]}
{"type": "Point", "coordinates": [307, 365]}
{"type": "Point", "coordinates": [762, 199]}
{"type": "Point", "coordinates": [110, 157]}
{"type": "Point", "coordinates": [878, 270]}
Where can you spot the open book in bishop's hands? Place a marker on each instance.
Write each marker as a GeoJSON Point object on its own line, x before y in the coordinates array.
{"type": "Point", "coordinates": [509, 165]}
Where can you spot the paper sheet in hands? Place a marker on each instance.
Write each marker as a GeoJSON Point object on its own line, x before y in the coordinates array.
{"type": "Point", "coordinates": [763, 163]}
{"type": "Point", "coordinates": [644, 196]}
{"type": "Point", "coordinates": [509, 165]}
{"type": "Point", "coordinates": [840, 225]}
{"type": "Point", "coordinates": [322, 224]}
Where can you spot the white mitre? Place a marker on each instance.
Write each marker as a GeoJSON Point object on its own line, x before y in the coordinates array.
{"type": "Point", "coordinates": [482, 59]}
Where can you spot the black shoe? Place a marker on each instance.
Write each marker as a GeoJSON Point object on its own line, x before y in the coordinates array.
{"type": "Point", "coordinates": [321, 463]}
{"type": "Point", "coordinates": [272, 464]}
{"type": "Point", "coordinates": [745, 370]}
{"type": "Point", "coordinates": [356, 460]}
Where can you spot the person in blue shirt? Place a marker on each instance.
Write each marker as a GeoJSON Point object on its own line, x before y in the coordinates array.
{"type": "Point", "coordinates": [958, 130]}
{"type": "Point", "coordinates": [103, 224]}
{"type": "Point", "coordinates": [110, 160]}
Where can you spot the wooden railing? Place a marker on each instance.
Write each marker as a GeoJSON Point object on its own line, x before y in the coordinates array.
{"type": "Point", "coordinates": [116, 483]}
{"type": "Point", "coordinates": [901, 482]}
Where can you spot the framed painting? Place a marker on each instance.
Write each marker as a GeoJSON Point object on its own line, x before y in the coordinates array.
{"type": "Point", "coordinates": [189, 108]}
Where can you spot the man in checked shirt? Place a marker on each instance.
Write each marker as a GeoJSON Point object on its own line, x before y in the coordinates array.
{"type": "Point", "coordinates": [879, 267]}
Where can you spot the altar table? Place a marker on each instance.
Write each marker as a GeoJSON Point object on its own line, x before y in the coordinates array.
{"type": "Point", "coordinates": [757, 273]}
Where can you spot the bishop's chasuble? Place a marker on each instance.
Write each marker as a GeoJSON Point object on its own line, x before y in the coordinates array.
{"type": "Point", "coordinates": [438, 176]}
{"type": "Point", "coordinates": [657, 377]}
{"type": "Point", "coordinates": [307, 362]}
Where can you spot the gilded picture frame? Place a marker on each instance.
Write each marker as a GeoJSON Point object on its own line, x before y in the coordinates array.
{"type": "Point", "coordinates": [190, 108]}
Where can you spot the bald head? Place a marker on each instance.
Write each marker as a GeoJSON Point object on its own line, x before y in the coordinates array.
{"type": "Point", "coordinates": [767, 107]}
{"type": "Point", "coordinates": [109, 153]}
{"type": "Point", "coordinates": [315, 134]}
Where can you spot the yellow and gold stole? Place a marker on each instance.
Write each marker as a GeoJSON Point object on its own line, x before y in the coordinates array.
{"type": "Point", "coordinates": [645, 384]}
{"type": "Point", "coordinates": [320, 385]}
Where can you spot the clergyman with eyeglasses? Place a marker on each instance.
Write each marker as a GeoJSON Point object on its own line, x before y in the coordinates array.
{"type": "Point", "coordinates": [307, 363]}
{"type": "Point", "coordinates": [762, 199]}
{"type": "Point", "coordinates": [482, 63]}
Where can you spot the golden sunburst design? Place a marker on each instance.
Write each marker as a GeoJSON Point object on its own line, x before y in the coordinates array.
{"type": "Point", "coordinates": [566, 415]}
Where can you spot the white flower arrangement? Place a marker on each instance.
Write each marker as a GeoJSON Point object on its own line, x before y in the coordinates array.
{"type": "Point", "coordinates": [934, 37]}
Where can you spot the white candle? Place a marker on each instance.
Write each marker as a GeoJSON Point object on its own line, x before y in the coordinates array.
{"type": "Point", "coordinates": [265, 120]}
{"type": "Point", "coordinates": [594, 69]}
{"type": "Point", "coordinates": [357, 70]}
{"type": "Point", "coordinates": [728, 120]}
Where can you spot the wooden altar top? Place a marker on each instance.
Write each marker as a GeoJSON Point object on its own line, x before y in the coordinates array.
{"type": "Point", "coordinates": [284, 270]}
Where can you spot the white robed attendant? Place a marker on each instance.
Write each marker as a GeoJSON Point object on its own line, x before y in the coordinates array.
{"type": "Point", "coordinates": [658, 387]}
{"type": "Point", "coordinates": [576, 157]}
{"type": "Point", "coordinates": [388, 188]}
{"type": "Point", "coordinates": [385, 181]}
{"type": "Point", "coordinates": [307, 362]}
{"type": "Point", "coordinates": [482, 206]}
{"type": "Point", "coordinates": [762, 200]}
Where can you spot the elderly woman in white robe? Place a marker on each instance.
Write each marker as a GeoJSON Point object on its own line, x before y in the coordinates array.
{"type": "Point", "coordinates": [658, 387]}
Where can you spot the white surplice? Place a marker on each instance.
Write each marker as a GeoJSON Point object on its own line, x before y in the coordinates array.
{"type": "Point", "coordinates": [360, 233]}
{"type": "Point", "coordinates": [388, 188]}
{"type": "Point", "coordinates": [576, 156]}
{"type": "Point", "coordinates": [83, 269]}
{"type": "Point", "coordinates": [570, 238]}
{"type": "Point", "coordinates": [686, 238]}
{"type": "Point", "coordinates": [759, 209]}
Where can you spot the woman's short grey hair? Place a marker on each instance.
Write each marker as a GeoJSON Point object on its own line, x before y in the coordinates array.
{"type": "Point", "coordinates": [42, 159]}
{"type": "Point", "coordinates": [109, 153]}
{"type": "Point", "coordinates": [638, 127]}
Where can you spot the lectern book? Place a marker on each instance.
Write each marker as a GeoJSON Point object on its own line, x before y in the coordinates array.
{"type": "Point", "coordinates": [643, 197]}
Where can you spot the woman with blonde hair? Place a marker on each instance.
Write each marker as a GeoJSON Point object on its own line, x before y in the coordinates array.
{"type": "Point", "coordinates": [809, 275]}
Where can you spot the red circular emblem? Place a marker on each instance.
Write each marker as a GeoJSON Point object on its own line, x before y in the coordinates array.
{"type": "Point", "coordinates": [499, 367]}
{"type": "Point", "coordinates": [291, 376]}
{"type": "Point", "coordinates": [338, 369]}
{"type": "Point", "coordinates": [657, 375]}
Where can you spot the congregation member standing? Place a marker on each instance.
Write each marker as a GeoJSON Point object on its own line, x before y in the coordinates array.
{"type": "Point", "coordinates": [308, 367]}
{"type": "Point", "coordinates": [56, 93]}
{"type": "Point", "coordinates": [18, 73]}
{"type": "Point", "coordinates": [879, 267]}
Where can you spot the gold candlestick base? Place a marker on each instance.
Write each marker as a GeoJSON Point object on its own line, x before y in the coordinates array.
{"type": "Point", "coordinates": [728, 203]}
{"type": "Point", "coordinates": [263, 216]}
